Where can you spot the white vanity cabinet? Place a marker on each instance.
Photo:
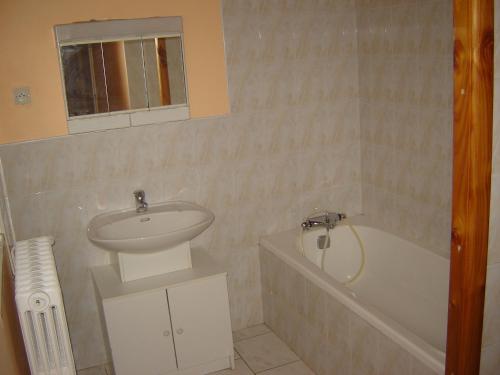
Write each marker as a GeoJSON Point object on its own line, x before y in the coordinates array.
{"type": "Point", "coordinates": [140, 335]}
{"type": "Point", "coordinates": [177, 323]}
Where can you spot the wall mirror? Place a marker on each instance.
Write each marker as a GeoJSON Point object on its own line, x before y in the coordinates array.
{"type": "Point", "coordinates": [122, 74]}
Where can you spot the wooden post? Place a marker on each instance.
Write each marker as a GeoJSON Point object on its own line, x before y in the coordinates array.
{"type": "Point", "coordinates": [472, 138]}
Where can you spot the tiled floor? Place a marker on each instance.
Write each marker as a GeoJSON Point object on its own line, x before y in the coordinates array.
{"type": "Point", "coordinates": [257, 351]}
{"type": "Point", "coordinates": [97, 370]}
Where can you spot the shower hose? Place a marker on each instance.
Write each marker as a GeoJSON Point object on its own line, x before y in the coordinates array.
{"type": "Point", "coordinates": [322, 266]}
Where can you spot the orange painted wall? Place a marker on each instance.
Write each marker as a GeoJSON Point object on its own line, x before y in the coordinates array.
{"type": "Point", "coordinates": [28, 57]}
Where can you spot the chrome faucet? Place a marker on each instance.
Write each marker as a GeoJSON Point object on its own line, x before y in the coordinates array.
{"type": "Point", "coordinates": [140, 201]}
{"type": "Point", "coordinates": [328, 220]}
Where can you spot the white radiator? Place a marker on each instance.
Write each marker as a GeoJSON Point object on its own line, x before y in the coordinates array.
{"type": "Point", "coordinates": [41, 310]}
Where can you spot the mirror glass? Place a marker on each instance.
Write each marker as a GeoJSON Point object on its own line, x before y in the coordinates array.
{"type": "Point", "coordinates": [123, 75]}
{"type": "Point", "coordinates": [164, 71]}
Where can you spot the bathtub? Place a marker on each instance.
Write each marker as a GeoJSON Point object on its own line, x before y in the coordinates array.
{"type": "Point", "coordinates": [401, 293]}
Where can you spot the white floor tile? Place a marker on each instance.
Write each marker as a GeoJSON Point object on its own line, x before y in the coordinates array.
{"type": "Point", "coordinates": [97, 370]}
{"type": "Point", "coordinates": [265, 352]}
{"type": "Point", "coordinates": [296, 368]}
{"type": "Point", "coordinates": [249, 332]}
{"type": "Point", "coordinates": [240, 369]}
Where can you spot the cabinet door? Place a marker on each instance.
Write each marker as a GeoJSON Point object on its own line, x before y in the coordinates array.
{"type": "Point", "coordinates": [140, 334]}
{"type": "Point", "coordinates": [200, 321]}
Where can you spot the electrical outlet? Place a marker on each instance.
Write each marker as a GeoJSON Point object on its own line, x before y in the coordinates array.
{"type": "Point", "coordinates": [22, 95]}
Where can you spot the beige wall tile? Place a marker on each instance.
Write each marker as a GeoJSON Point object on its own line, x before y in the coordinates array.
{"type": "Point", "coordinates": [392, 359]}
{"type": "Point", "coordinates": [405, 76]}
{"type": "Point", "coordinates": [343, 344]}
{"type": "Point", "coordinates": [282, 82]}
{"type": "Point", "coordinates": [490, 363]}
{"type": "Point", "coordinates": [418, 368]}
{"type": "Point", "coordinates": [291, 143]}
{"type": "Point", "coordinates": [364, 340]}
{"type": "Point", "coordinates": [490, 360]}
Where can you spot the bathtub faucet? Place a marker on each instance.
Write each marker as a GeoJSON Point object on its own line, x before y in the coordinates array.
{"type": "Point", "coordinates": [327, 220]}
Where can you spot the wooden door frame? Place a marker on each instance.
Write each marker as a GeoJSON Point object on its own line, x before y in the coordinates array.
{"type": "Point", "coordinates": [472, 144]}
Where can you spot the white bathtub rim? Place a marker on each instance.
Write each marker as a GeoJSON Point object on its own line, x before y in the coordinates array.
{"type": "Point", "coordinates": [419, 348]}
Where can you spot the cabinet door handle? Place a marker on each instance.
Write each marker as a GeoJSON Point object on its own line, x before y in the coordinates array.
{"type": "Point", "coordinates": [166, 333]}
{"type": "Point", "coordinates": [179, 331]}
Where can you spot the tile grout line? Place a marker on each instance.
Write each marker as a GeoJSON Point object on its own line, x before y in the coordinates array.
{"type": "Point", "coordinates": [245, 362]}
{"type": "Point", "coordinates": [292, 350]}
{"type": "Point", "coordinates": [271, 368]}
{"type": "Point", "coordinates": [103, 368]}
{"type": "Point", "coordinates": [236, 351]}
{"type": "Point", "coordinates": [248, 338]}
{"type": "Point", "coordinates": [283, 365]}
{"type": "Point", "coordinates": [243, 358]}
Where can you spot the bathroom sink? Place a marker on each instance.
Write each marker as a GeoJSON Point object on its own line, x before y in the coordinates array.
{"type": "Point", "coordinates": [161, 227]}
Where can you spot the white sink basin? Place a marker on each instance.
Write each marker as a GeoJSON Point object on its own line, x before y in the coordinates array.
{"type": "Point", "coordinates": [162, 226]}
{"type": "Point", "coordinates": [153, 242]}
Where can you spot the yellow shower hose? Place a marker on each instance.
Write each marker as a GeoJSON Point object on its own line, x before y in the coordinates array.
{"type": "Point", "coordinates": [361, 247]}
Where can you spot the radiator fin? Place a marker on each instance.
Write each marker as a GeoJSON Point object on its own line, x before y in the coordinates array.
{"type": "Point", "coordinates": [41, 309]}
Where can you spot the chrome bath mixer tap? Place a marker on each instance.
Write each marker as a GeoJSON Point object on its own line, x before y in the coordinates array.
{"type": "Point", "coordinates": [140, 201]}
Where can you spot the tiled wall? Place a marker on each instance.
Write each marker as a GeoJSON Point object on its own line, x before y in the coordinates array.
{"type": "Point", "coordinates": [5, 210]}
{"type": "Point", "coordinates": [490, 359]}
{"type": "Point", "coordinates": [290, 144]}
{"type": "Point", "coordinates": [405, 74]}
{"type": "Point", "coordinates": [325, 334]}
{"type": "Point", "coordinates": [490, 356]}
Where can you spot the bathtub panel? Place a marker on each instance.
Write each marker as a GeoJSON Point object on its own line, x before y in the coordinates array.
{"type": "Point", "coordinates": [405, 282]}
{"type": "Point", "coordinates": [295, 290]}
{"type": "Point", "coordinates": [266, 263]}
{"type": "Point", "coordinates": [303, 334]}
{"type": "Point", "coordinates": [315, 300]}
{"type": "Point", "coordinates": [364, 346]}
{"type": "Point", "coordinates": [391, 358]}
{"type": "Point", "coordinates": [418, 368]}
{"type": "Point", "coordinates": [267, 305]}
{"type": "Point", "coordinates": [312, 346]}
{"type": "Point", "coordinates": [294, 328]}
{"type": "Point", "coordinates": [337, 323]}
{"type": "Point", "coordinates": [337, 359]}
{"type": "Point", "coordinates": [331, 339]}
